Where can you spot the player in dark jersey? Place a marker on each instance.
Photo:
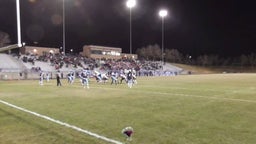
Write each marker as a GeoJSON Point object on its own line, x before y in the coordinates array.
{"type": "Point", "coordinates": [129, 79]}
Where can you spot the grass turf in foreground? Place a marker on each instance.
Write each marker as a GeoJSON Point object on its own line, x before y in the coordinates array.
{"type": "Point", "coordinates": [212, 109]}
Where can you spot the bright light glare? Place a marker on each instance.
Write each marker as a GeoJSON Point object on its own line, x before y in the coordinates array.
{"type": "Point", "coordinates": [32, 1]}
{"type": "Point", "coordinates": [163, 13]}
{"type": "Point", "coordinates": [131, 3]}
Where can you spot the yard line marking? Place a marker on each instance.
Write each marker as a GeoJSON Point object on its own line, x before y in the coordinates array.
{"type": "Point", "coordinates": [217, 98]}
{"type": "Point", "coordinates": [210, 97]}
{"type": "Point", "coordinates": [184, 95]}
{"type": "Point", "coordinates": [63, 123]}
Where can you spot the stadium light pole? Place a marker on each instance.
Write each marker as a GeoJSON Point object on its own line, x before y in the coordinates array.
{"type": "Point", "coordinates": [18, 23]}
{"type": "Point", "coordinates": [130, 4]}
{"type": "Point", "coordinates": [63, 29]}
{"type": "Point", "coordinates": [163, 13]}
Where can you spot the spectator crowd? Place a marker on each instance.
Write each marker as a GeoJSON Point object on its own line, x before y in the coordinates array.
{"type": "Point", "coordinates": [58, 61]}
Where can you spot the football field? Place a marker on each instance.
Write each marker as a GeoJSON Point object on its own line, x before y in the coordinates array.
{"type": "Point", "coordinates": [185, 109]}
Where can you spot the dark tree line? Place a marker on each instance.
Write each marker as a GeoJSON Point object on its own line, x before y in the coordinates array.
{"type": "Point", "coordinates": [154, 53]}
{"type": "Point", "coordinates": [4, 39]}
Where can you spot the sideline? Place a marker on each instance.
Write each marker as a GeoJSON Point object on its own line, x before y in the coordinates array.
{"type": "Point", "coordinates": [63, 124]}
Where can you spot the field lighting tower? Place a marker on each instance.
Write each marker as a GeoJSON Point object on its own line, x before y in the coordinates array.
{"type": "Point", "coordinates": [18, 23]}
{"type": "Point", "coordinates": [63, 28]}
{"type": "Point", "coordinates": [163, 13]}
{"type": "Point", "coordinates": [130, 4]}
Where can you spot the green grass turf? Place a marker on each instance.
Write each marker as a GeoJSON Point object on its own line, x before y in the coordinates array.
{"type": "Point", "coordinates": [189, 109]}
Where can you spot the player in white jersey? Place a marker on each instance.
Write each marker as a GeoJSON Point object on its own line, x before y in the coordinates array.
{"type": "Point", "coordinates": [47, 77]}
{"type": "Point", "coordinates": [134, 78]}
{"type": "Point", "coordinates": [85, 79]}
{"type": "Point", "coordinates": [98, 76]}
{"type": "Point", "coordinates": [114, 78]}
{"type": "Point", "coordinates": [101, 77]}
{"type": "Point", "coordinates": [41, 78]}
{"type": "Point", "coordinates": [122, 77]}
{"type": "Point", "coordinates": [71, 77]}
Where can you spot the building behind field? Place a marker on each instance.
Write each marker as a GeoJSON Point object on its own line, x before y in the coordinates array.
{"type": "Point", "coordinates": [102, 52]}
{"type": "Point", "coordinates": [38, 50]}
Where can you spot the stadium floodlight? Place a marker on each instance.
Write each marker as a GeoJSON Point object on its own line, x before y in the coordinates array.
{"type": "Point", "coordinates": [163, 13]}
{"type": "Point", "coordinates": [130, 4]}
{"type": "Point", "coordinates": [18, 23]}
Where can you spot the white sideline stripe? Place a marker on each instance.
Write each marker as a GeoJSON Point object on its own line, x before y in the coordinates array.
{"type": "Point", "coordinates": [63, 124]}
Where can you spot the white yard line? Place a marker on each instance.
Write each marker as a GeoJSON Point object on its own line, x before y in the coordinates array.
{"type": "Point", "coordinates": [217, 98]}
{"type": "Point", "coordinates": [180, 94]}
{"type": "Point", "coordinates": [63, 123]}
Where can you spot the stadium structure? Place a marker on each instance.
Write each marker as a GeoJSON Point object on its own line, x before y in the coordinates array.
{"type": "Point", "coordinates": [31, 60]}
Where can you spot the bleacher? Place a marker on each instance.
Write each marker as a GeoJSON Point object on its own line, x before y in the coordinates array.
{"type": "Point", "coordinates": [170, 67]}
{"type": "Point", "coordinates": [44, 66]}
{"type": "Point", "coordinates": [9, 64]}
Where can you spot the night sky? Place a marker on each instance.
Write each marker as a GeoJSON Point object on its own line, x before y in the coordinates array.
{"type": "Point", "coordinates": [194, 27]}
